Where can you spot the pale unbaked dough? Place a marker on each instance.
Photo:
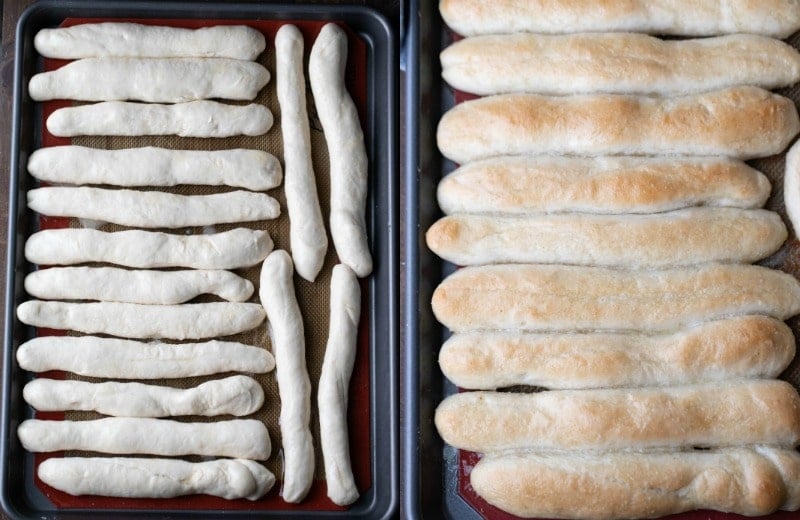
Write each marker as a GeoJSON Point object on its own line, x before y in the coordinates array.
{"type": "Point", "coordinates": [132, 320]}
{"type": "Point", "coordinates": [346, 150]}
{"type": "Point", "coordinates": [192, 119]}
{"type": "Point", "coordinates": [334, 383]}
{"type": "Point", "coordinates": [169, 80]}
{"type": "Point", "coordinates": [135, 286]}
{"type": "Point", "coordinates": [237, 438]}
{"type": "Point", "coordinates": [156, 478]}
{"type": "Point", "coordinates": [153, 209]}
{"type": "Point", "coordinates": [153, 41]}
{"type": "Point", "coordinates": [126, 359]}
{"type": "Point", "coordinates": [289, 346]}
{"type": "Point", "coordinates": [240, 247]}
{"type": "Point", "coordinates": [236, 395]}
{"type": "Point", "coordinates": [149, 166]}
{"type": "Point", "coordinates": [309, 242]}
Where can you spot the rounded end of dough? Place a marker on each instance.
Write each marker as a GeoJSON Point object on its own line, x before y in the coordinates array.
{"type": "Point", "coordinates": [259, 122]}
{"type": "Point", "coordinates": [261, 479]}
{"type": "Point", "coordinates": [39, 86]}
{"type": "Point", "coordinates": [59, 122]}
{"type": "Point", "coordinates": [286, 37]}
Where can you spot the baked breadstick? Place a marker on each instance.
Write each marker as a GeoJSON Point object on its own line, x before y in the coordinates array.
{"type": "Point", "coordinates": [152, 41]}
{"type": "Point", "coordinates": [164, 80]}
{"type": "Point", "coordinates": [153, 209]}
{"type": "Point", "coordinates": [289, 346]}
{"type": "Point", "coordinates": [156, 478]}
{"type": "Point", "coordinates": [309, 242]}
{"type": "Point", "coordinates": [348, 155]}
{"type": "Point", "coordinates": [570, 298]}
{"type": "Point", "coordinates": [748, 481]}
{"type": "Point", "coordinates": [779, 18]}
{"type": "Point", "coordinates": [149, 166]}
{"type": "Point", "coordinates": [132, 286]}
{"type": "Point", "coordinates": [740, 122]}
{"type": "Point", "coordinates": [236, 395]}
{"type": "Point", "coordinates": [237, 438]}
{"type": "Point", "coordinates": [726, 413]}
{"type": "Point", "coordinates": [334, 381]}
{"type": "Point", "coordinates": [616, 63]}
{"type": "Point", "coordinates": [601, 185]}
{"type": "Point", "coordinates": [125, 359]}
{"type": "Point", "coordinates": [191, 119]}
{"type": "Point", "coordinates": [240, 247]}
{"type": "Point", "coordinates": [131, 320]}
{"type": "Point", "coordinates": [734, 348]}
{"type": "Point", "coordinates": [683, 237]}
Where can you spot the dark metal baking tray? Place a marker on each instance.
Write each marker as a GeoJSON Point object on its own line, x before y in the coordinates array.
{"type": "Point", "coordinates": [18, 495]}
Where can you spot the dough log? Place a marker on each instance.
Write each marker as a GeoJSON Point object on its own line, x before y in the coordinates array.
{"type": "Point", "coordinates": [233, 249]}
{"type": "Point", "coordinates": [125, 359]}
{"type": "Point", "coordinates": [727, 413]}
{"type": "Point", "coordinates": [289, 346]}
{"type": "Point", "coordinates": [569, 298]}
{"type": "Point", "coordinates": [156, 478]}
{"type": "Point", "coordinates": [740, 122]}
{"type": "Point", "coordinates": [131, 320]}
{"type": "Point", "coordinates": [235, 395]}
{"type": "Point", "coordinates": [237, 438]}
{"type": "Point", "coordinates": [191, 119]}
{"type": "Point", "coordinates": [601, 185]}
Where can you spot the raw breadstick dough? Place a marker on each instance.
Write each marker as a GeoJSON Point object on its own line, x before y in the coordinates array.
{"type": "Point", "coordinates": [136, 40]}
{"type": "Point", "coordinates": [126, 359]}
{"type": "Point", "coordinates": [166, 80]}
{"type": "Point", "coordinates": [309, 242]}
{"type": "Point", "coordinates": [612, 486]}
{"type": "Point", "coordinates": [684, 237]}
{"type": "Point", "coordinates": [734, 348]}
{"type": "Point", "coordinates": [250, 169]}
{"type": "Point", "coordinates": [569, 298]}
{"type": "Point", "coordinates": [111, 284]}
{"type": "Point", "coordinates": [156, 478]}
{"type": "Point", "coordinates": [240, 247]}
{"type": "Point", "coordinates": [791, 187]}
{"type": "Point", "coordinates": [289, 346]}
{"type": "Point", "coordinates": [616, 63]}
{"type": "Point", "coordinates": [235, 395]}
{"type": "Point", "coordinates": [192, 119]}
{"type": "Point", "coordinates": [778, 18]}
{"type": "Point", "coordinates": [131, 320]}
{"type": "Point", "coordinates": [726, 413]}
{"type": "Point", "coordinates": [237, 438]}
{"type": "Point", "coordinates": [153, 209]}
{"type": "Point", "coordinates": [348, 156]}
{"type": "Point", "coordinates": [334, 382]}
{"type": "Point", "coordinates": [740, 122]}
{"type": "Point", "coordinates": [601, 185]}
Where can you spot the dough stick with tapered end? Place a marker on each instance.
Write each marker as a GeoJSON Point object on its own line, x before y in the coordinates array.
{"type": "Point", "coordinates": [164, 80]}
{"type": "Point", "coordinates": [233, 249]}
{"type": "Point", "coordinates": [111, 284]}
{"type": "Point", "coordinates": [546, 298]}
{"type": "Point", "coordinates": [600, 185]}
{"type": "Point", "coordinates": [778, 18]}
{"type": "Point", "coordinates": [236, 395]}
{"type": "Point", "coordinates": [684, 237]}
{"type": "Point", "coordinates": [132, 320]}
{"type": "Point", "coordinates": [791, 187]}
{"type": "Point", "coordinates": [739, 122]}
{"type": "Point", "coordinates": [191, 119]}
{"type": "Point", "coordinates": [152, 41]}
{"type": "Point", "coordinates": [334, 381]}
{"type": "Point", "coordinates": [289, 346]}
{"type": "Point", "coordinates": [348, 155]}
{"type": "Point", "coordinates": [156, 478]}
{"type": "Point", "coordinates": [150, 166]}
{"type": "Point", "coordinates": [238, 438]}
{"type": "Point", "coordinates": [153, 209]}
{"type": "Point", "coordinates": [309, 242]}
{"type": "Point", "coordinates": [126, 359]}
